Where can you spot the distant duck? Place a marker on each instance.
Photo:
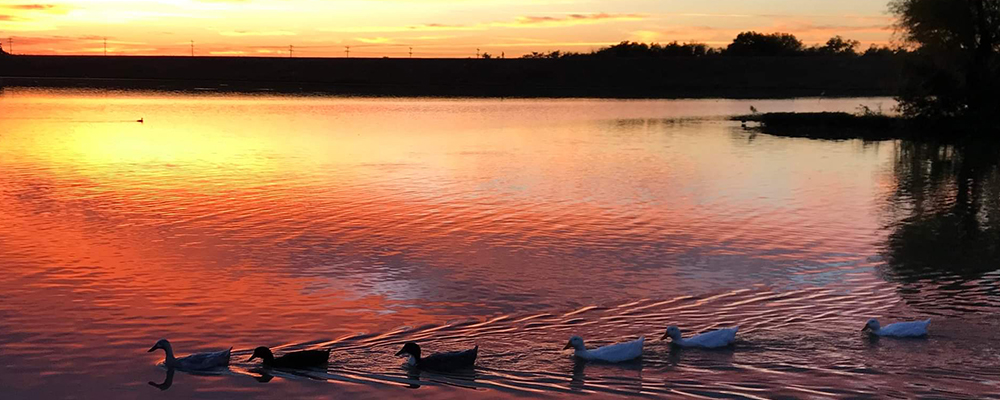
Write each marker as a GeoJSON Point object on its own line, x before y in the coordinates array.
{"type": "Point", "coordinates": [899, 329]}
{"type": "Point", "coordinates": [451, 361]}
{"type": "Point", "coordinates": [708, 340]}
{"type": "Point", "coordinates": [295, 359]}
{"type": "Point", "coordinates": [193, 362]}
{"type": "Point", "coordinates": [612, 353]}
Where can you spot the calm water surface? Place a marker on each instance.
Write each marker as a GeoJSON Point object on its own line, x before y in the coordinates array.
{"type": "Point", "coordinates": [358, 224]}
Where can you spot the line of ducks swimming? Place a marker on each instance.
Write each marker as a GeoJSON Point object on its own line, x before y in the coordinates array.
{"type": "Point", "coordinates": [458, 360]}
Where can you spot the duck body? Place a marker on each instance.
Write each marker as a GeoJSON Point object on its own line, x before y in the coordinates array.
{"type": "Point", "coordinates": [193, 362]}
{"type": "Point", "coordinates": [900, 329]}
{"type": "Point", "coordinates": [449, 361]}
{"type": "Point", "coordinates": [295, 359]}
{"type": "Point", "coordinates": [614, 353]}
{"type": "Point", "coordinates": [708, 340]}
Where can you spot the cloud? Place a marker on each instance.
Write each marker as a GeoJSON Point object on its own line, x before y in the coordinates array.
{"type": "Point", "coordinates": [575, 19]}
{"type": "Point", "coordinates": [519, 22]}
{"type": "Point", "coordinates": [33, 7]}
{"type": "Point", "coordinates": [375, 40]}
{"type": "Point", "coordinates": [257, 33]}
{"type": "Point", "coordinates": [228, 53]}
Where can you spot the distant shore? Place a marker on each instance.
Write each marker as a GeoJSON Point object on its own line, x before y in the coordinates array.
{"type": "Point", "coordinates": [682, 77]}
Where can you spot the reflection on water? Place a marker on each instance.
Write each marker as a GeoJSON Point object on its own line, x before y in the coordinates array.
{"type": "Point", "coordinates": [946, 210]}
{"type": "Point", "coordinates": [359, 224]}
{"type": "Point", "coordinates": [167, 381]}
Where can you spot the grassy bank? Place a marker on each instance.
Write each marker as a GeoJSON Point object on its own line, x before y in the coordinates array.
{"type": "Point", "coordinates": [830, 125]}
{"type": "Point", "coordinates": [868, 125]}
{"type": "Point", "coordinates": [698, 77]}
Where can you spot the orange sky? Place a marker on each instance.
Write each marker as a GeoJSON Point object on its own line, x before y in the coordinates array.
{"type": "Point", "coordinates": [432, 28]}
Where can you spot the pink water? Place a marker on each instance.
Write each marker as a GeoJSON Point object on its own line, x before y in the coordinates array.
{"type": "Point", "coordinates": [360, 223]}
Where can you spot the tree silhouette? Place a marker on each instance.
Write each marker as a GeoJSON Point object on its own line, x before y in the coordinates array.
{"type": "Point", "coordinates": [957, 72]}
{"type": "Point", "coordinates": [759, 44]}
{"type": "Point", "coordinates": [837, 45]}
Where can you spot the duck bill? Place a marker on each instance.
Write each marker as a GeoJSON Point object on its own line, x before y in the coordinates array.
{"type": "Point", "coordinates": [251, 358]}
{"type": "Point", "coordinates": [665, 336]}
{"type": "Point", "coordinates": [568, 346]}
{"type": "Point", "coordinates": [399, 353]}
{"type": "Point", "coordinates": [151, 349]}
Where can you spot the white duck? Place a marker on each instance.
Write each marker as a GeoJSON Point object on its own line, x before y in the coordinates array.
{"type": "Point", "coordinates": [708, 340]}
{"type": "Point", "coordinates": [899, 329]}
{"type": "Point", "coordinates": [612, 353]}
{"type": "Point", "coordinates": [193, 362]}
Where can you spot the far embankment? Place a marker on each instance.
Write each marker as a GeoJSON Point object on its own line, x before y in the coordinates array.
{"type": "Point", "coordinates": [718, 76]}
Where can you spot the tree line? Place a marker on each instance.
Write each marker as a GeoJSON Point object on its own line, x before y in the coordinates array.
{"type": "Point", "coordinates": [952, 69]}
{"type": "Point", "coordinates": [745, 44]}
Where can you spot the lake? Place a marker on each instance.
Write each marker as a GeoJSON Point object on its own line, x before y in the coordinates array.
{"type": "Point", "coordinates": [358, 224]}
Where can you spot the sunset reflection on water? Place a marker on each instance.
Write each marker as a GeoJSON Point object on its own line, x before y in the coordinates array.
{"type": "Point", "coordinates": [359, 223]}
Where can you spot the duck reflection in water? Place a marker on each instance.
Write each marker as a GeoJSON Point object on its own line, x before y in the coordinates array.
{"type": "Point", "coordinates": [578, 383]}
{"type": "Point", "coordinates": [463, 378]}
{"type": "Point", "coordinates": [169, 380]}
{"type": "Point", "coordinates": [263, 375]}
{"type": "Point", "coordinates": [413, 375]}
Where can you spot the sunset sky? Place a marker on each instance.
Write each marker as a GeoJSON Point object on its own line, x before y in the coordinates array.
{"type": "Point", "coordinates": [433, 28]}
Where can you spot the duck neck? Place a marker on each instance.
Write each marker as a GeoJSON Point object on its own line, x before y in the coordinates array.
{"type": "Point", "coordinates": [170, 360]}
{"type": "Point", "coordinates": [414, 360]}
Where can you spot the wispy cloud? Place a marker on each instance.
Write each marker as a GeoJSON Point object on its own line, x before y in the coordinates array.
{"type": "Point", "coordinates": [375, 40]}
{"type": "Point", "coordinates": [31, 7]}
{"type": "Point", "coordinates": [257, 33]}
{"type": "Point", "coordinates": [531, 21]}
{"type": "Point", "coordinates": [573, 19]}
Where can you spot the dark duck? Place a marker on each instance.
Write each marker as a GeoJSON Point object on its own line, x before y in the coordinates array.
{"type": "Point", "coordinates": [450, 361]}
{"type": "Point", "coordinates": [295, 359]}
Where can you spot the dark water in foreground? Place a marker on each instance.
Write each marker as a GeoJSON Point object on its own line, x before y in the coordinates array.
{"type": "Point", "coordinates": [358, 224]}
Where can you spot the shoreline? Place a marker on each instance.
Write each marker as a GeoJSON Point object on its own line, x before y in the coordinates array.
{"type": "Point", "coordinates": [624, 78]}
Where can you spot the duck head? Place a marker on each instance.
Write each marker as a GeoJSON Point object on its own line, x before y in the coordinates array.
{"type": "Point", "coordinates": [871, 326]}
{"type": "Point", "coordinates": [575, 342]}
{"type": "Point", "coordinates": [160, 344]}
{"type": "Point", "coordinates": [263, 353]}
{"type": "Point", "coordinates": [411, 349]}
{"type": "Point", "coordinates": [673, 332]}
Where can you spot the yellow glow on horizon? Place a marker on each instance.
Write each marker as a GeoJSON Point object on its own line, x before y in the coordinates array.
{"type": "Point", "coordinates": [434, 28]}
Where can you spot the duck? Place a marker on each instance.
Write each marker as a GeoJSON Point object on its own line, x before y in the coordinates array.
{"type": "Point", "coordinates": [708, 340]}
{"type": "Point", "coordinates": [193, 362]}
{"type": "Point", "coordinates": [614, 353]}
{"type": "Point", "coordinates": [295, 359]}
{"type": "Point", "coordinates": [450, 361]}
{"type": "Point", "coordinates": [899, 329]}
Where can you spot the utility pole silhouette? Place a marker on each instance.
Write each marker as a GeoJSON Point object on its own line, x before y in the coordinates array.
{"type": "Point", "coordinates": [192, 48]}
{"type": "Point", "coordinates": [105, 47]}
{"type": "Point", "coordinates": [10, 44]}
{"type": "Point", "coordinates": [290, 47]}
{"type": "Point", "coordinates": [347, 51]}
{"type": "Point", "coordinates": [411, 52]}
{"type": "Point", "coordinates": [477, 52]}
